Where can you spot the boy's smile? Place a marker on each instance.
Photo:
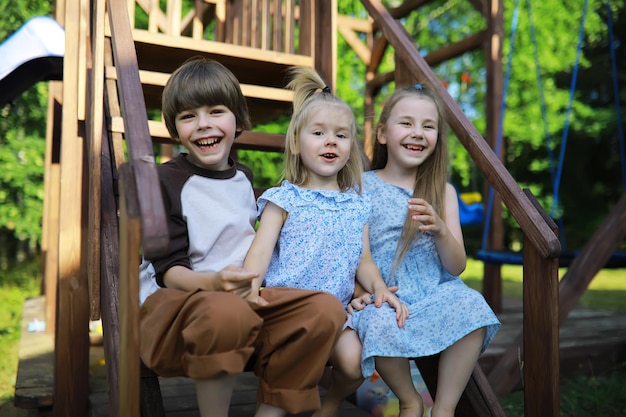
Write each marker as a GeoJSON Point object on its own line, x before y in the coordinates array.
{"type": "Point", "coordinates": [207, 133]}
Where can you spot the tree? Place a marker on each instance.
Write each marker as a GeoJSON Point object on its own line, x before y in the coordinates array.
{"type": "Point", "coordinates": [22, 148]}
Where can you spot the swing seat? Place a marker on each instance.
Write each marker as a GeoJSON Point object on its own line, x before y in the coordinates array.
{"type": "Point", "coordinates": [470, 214]}
{"type": "Point", "coordinates": [471, 210]}
{"type": "Point", "coordinates": [616, 261]}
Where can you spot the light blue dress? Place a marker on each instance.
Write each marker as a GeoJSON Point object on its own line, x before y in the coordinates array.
{"type": "Point", "coordinates": [442, 308]}
{"type": "Point", "coordinates": [321, 242]}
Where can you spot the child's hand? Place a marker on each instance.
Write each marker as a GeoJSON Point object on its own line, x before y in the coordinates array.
{"type": "Point", "coordinates": [257, 299]}
{"type": "Point", "coordinates": [424, 213]}
{"type": "Point", "coordinates": [234, 279]}
{"type": "Point", "coordinates": [383, 295]}
{"type": "Point", "coordinates": [360, 302]}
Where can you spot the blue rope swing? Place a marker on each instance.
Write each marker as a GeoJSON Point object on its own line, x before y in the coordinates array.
{"type": "Point", "coordinates": [618, 259]}
{"type": "Point", "coordinates": [618, 111]}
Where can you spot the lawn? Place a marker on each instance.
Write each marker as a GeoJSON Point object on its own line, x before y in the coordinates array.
{"type": "Point", "coordinates": [603, 395]}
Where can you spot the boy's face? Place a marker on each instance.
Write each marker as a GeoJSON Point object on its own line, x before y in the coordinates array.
{"type": "Point", "coordinates": [208, 133]}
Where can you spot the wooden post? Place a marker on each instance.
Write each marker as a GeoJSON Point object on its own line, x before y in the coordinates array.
{"type": "Point", "coordinates": [130, 244]}
{"type": "Point", "coordinates": [72, 328]}
{"type": "Point", "coordinates": [492, 276]}
{"type": "Point", "coordinates": [52, 184]}
{"type": "Point", "coordinates": [541, 334]}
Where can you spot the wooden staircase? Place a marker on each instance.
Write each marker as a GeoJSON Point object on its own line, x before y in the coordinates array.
{"type": "Point", "coordinates": [104, 120]}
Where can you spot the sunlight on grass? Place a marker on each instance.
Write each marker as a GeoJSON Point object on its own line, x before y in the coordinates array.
{"type": "Point", "coordinates": [15, 287]}
{"type": "Point", "coordinates": [607, 290]}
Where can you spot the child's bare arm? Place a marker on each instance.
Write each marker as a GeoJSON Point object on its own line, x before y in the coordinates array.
{"type": "Point", "coordinates": [368, 276]}
{"type": "Point", "coordinates": [230, 279]}
{"type": "Point", "coordinates": [260, 252]}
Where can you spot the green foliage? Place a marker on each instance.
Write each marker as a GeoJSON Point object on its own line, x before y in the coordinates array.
{"type": "Point", "coordinates": [22, 142]}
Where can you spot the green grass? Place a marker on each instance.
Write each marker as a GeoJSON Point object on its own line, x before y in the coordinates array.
{"type": "Point", "coordinates": [601, 395]}
{"type": "Point", "coordinates": [15, 286]}
{"type": "Point", "coordinates": [607, 290]}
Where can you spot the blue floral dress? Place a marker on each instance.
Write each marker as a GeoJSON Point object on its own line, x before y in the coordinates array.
{"type": "Point", "coordinates": [321, 242]}
{"type": "Point", "coordinates": [442, 308]}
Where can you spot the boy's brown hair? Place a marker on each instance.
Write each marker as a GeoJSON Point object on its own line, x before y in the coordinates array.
{"type": "Point", "coordinates": [203, 82]}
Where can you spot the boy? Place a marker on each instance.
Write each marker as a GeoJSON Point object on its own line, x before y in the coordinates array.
{"type": "Point", "coordinates": [194, 319]}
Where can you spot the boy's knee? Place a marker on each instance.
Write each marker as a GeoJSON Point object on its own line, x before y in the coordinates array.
{"type": "Point", "coordinates": [330, 310]}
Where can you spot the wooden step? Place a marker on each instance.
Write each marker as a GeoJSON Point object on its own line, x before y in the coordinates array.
{"type": "Point", "coordinates": [34, 386]}
{"type": "Point", "coordinates": [259, 141]}
{"type": "Point", "coordinates": [265, 103]}
{"type": "Point", "coordinates": [179, 399]}
{"type": "Point", "coordinates": [164, 53]}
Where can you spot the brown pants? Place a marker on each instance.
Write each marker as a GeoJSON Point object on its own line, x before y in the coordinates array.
{"type": "Point", "coordinates": [205, 335]}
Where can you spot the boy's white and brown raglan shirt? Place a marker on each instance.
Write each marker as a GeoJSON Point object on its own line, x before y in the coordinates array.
{"type": "Point", "coordinates": [211, 218]}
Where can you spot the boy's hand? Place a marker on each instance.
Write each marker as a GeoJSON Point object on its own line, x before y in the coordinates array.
{"type": "Point", "coordinates": [257, 299]}
{"type": "Point", "coordinates": [234, 279]}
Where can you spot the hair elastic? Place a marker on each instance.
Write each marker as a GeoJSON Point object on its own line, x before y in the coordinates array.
{"type": "Point", "coordinates": [419, 87]}
{"type": "Point", "coordinates": [326, 90]}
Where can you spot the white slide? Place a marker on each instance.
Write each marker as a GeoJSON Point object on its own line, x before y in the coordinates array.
{"type": "Point", "coordinates": [33, 53]}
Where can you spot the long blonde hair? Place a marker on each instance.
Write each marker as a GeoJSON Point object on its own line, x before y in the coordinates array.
{"type": "Point", "coordinates": [310, 92]}
{"type": "Point", "coordinates": [431, 176]}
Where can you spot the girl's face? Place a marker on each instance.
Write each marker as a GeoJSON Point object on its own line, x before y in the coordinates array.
{"type": "Point", "coordinates": [411, 132]}
{"type": "Point", "coordinates": [208, 133]}
{"type": "Point", "coordinates": [325, 142]}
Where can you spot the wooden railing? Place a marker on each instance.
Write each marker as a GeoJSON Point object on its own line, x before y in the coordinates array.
{"type": "Point", "coordinates": [541, 245]}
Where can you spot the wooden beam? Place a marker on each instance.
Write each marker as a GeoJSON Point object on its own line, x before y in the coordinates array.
{"type": "Point", "coordinates": [492, 274]}
{"type": "Point", "coordinates": [71, 366]}
{"type": "Point", "coordinates": [453, 50]}
{"type": "Point", "coordinates": [51, 208]}
{"type": "Point", "coordinates": [156, 237]}
{"type": "Point", "coordinates": [541, 341]}
{"type": "Point", "coordinates": [94, 125]}
{"type": "Point", "coordinates": [593, 256]}
{"type": "Point", "coordinates": [129, 246]}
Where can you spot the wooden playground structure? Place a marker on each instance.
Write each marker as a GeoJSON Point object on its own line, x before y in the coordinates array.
{"type": "Point", "coordinates": [103, 204]}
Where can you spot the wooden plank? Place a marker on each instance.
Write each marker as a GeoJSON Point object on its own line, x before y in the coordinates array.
{"type": "Point", "coordinates": [594, 255]}
{"type": "Point", "coordinates": [221, 50]}
{"type": "Point", "coordinates": [478, 398]}
{"type": "Point", "coordinates": [271, 142]}
{"type": "Point", "coordinates": [541, 341]}
{"type": "Point", "coordinates": [72, 339]}
{"type": "Point", "coordinates": [155, 236]}
{"type": "Point", "coordinates": [130, 244]}
{"type": "Point", "coordinates": [492, 274]}
{"type": "Point", "coordinates": [94, 125]}
{"type": "Point", "coordinates": [324, 36]}
{"type": "Point", "coordinates": [109, 290]}
{"type": "Point", "coordinates": [34, 384]}
{"type": "Point", "coordinates": [52, 187]}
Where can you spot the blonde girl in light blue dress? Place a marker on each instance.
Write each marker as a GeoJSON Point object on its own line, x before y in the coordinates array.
{"type": "Point", "coordinates": [417, 243]}
{"type": "Point", "coordinates": [312, 231]}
